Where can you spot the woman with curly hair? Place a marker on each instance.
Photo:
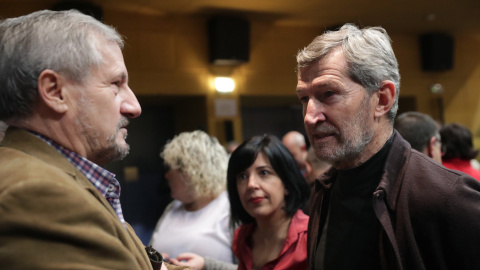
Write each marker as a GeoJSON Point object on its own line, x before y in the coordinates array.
{"type": "Point", "coordinates": [197, 220]}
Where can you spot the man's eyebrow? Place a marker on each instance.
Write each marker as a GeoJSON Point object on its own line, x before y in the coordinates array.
{"type": "Point", "coordinates": [123, 76]}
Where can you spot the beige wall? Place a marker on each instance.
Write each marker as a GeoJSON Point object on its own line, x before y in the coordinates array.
{"type": "Point", "coordinates": [169, 56]}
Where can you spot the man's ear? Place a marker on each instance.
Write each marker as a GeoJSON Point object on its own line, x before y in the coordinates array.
{"type": "Point", "coordinates": [386, 97]}
{"type": "Point", "coordinates": [51, 90]}
{"type": "Point", "coordinates": [431, 146]}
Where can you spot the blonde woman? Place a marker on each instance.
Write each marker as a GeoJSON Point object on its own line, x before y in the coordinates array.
{"type": "Point", "coordinates": [197, 220]}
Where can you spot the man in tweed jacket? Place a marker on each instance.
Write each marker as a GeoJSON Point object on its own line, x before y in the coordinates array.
{"type": "Point", "coordinates": [65, 96]}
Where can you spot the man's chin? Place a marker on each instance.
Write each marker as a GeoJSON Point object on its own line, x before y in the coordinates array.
{"type": "Point", "coordinates": [111, 154]}
{"type": "Point", "coordinates": [326, 153]}
{"type": "Point", "coordinates": [122, 151]}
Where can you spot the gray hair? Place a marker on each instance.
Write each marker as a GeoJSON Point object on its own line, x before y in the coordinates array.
{"type": "Point", "coordinates": [368, 52]}
{"type": "Point", "coordinates": [200, 157]}
{"type": "Point", "coordinates": [417, 129]}
{"type": "Point", "coordinates": [63, 41]}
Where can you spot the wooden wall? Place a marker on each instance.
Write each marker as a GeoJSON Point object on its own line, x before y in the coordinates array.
{"type": "Point", "coordinates": [169, 56]}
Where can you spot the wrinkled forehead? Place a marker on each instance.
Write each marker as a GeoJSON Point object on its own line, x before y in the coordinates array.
{"type": "Point", "coordinates": [335, 60]}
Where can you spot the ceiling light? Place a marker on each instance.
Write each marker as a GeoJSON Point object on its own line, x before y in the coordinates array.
{"type": "Point", "coordinates": [224, 84]}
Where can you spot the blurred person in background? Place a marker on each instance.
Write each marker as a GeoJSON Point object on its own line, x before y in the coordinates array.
{"type": "Point", "coordinates": [231, 146]}
{"type": "Point", "coordinates": [197, 220]}
{"type": "Point", "coordinates": [422, 132]}
{"type": "Point", "coordinates": [459, 151]}
{"type": "Point", "coordinates": [296, 145]}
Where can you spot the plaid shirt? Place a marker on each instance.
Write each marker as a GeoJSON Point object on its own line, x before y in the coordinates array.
{"type": "Point", "coordinates": [102, 179]}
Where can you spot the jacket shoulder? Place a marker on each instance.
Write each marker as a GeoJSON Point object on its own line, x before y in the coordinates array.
{"type": "Point", "coordinates": [45, 212]}
{"type": "Point", "coordinates": [17, 167]}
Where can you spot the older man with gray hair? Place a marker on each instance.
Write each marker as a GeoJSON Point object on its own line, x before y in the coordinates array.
{"type": "Point", "coordinates": [64, 94]}
{"type": "Point", "coordinates": [382, 206]}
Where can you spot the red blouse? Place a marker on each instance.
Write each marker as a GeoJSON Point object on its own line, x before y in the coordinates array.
{"type": "Point", "coordinates": [294, 252]}
{"type": "Point", "coordinates": [463, 166]}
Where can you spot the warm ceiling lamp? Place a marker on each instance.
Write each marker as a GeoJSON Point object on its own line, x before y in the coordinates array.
{"type": "Point", "coordinates": [224, 84]}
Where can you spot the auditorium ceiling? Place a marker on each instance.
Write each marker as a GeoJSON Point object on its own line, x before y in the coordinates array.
{"type": "Point", "coordinates": [409, 16]}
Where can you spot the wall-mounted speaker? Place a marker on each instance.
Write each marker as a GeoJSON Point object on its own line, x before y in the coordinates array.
{"type": "Point", "coordinates": [84, 7]}
{"type": "Point", "coordinates": [436, 51]}
{"type": "Point", "coordinates": [228, 40]}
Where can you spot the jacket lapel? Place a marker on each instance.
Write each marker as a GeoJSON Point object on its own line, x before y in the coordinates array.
{"type": "Point", "coordinates": [30, 144]}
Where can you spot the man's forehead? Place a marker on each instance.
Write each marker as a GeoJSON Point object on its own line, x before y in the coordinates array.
{"type": "Point", "coordinates": [335, 60]}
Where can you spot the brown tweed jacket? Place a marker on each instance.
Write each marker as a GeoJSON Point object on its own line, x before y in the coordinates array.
{"type": "Point", "coordinates": [52, 217]}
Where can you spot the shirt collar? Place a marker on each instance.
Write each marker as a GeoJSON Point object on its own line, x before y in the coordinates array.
{"type": "Point", "coordinates": [101, 178]}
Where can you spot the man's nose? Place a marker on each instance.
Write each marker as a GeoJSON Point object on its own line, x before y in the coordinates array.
{"type": "Point", "coordinates": [314, 112]}
{"type": "Point", "coordinates": [130, 106]}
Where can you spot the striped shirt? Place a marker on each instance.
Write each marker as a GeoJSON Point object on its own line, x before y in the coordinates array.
{"type": "Point", "coordinates": [101, 178]}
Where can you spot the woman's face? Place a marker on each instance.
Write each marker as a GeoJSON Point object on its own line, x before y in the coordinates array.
{"type": "Point", "coordinates": [261, 190]}
{"type": "Point", "coordinates": [177, 181]}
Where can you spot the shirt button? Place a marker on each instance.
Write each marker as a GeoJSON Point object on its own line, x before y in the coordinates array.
{"type": "Point", "coordinates": [110, 188]}
{"type": "Point", "coordinates": [379, 194]}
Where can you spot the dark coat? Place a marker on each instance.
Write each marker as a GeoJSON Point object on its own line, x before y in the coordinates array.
{"type": "Point", "coordinates": [430, 215]}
